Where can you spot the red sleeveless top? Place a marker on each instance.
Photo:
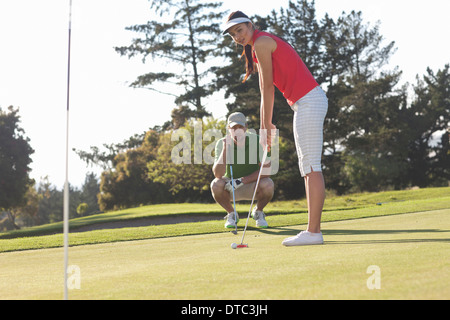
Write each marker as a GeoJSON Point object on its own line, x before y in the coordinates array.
{"type": "Point", "coordinates": [290, 74]}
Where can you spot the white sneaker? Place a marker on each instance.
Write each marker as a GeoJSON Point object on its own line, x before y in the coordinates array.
{"type": "Point", "coordinates": [260, 218]}
{"type": "Point", "coordinates": [232, 219]}
{"type": "Point", "coordinates": [304, 238]}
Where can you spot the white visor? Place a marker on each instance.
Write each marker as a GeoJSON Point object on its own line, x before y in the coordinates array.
{"type": "Point", "coordinates": [234, 22]}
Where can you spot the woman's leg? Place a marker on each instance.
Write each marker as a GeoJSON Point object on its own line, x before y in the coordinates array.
{"type": "Point", "coordinates": [315, 195]}
{"type": "Point", "coordinates": [309, 116]}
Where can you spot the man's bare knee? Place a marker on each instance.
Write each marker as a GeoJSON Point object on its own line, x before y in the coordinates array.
{"type": "Point", "coordinates": [266, 188]}
{"type": "Point", "coordinates": [217, 186]}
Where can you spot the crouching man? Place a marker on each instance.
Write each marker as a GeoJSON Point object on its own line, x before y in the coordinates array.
{"type": "Point", "coordinates": [240, 150]}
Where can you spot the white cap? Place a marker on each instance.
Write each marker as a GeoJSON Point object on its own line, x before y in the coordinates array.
{"type": "Point", "coordinates": [237, 118]}
{"type": "Point", "coordinates": [227, 25]}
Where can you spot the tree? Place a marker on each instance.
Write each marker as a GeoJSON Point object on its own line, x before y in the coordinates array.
{"type": "Point", "coordinates": [365, 46]}
{"type": "Point", "coordinates": [363, 129]}
{"type": "Point", "coordinates": [428, 118]}
{"type": "Point", "coordinates": [51, 202]}
{"type": "Point", "coordinates": [15, 158]}
{"type": "Point", "coordinates": [26, 214]}
{"type": "Point", "coordinates": [189, 180]}
{"type": "Point", "coordinates": [106, 158]}
{"type": "Point", "coordinates": [89, 194]}
{"type": "Point", "coordinates": [187, 37]}
{"type": "Point", "coordinates": [126, 184]}
{"type": "Point", "coordinates": [82, 208]}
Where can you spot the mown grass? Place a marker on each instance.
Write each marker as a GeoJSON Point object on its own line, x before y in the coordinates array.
{"type": "Point", "coordinates": [410, 250]}
{"type": "Point", "coordinates": [280, 214]}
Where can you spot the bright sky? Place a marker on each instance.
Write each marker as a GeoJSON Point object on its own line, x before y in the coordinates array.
{"type": "Point", "coordinates": [33, 67]}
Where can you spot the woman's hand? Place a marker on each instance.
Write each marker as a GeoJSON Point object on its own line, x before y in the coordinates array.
{"type": "Point", "coordinates": [267, 136]}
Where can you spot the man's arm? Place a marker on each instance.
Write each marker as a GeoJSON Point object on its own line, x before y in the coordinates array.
{"type": "Point", "coordinates": [254, 176]}
{"type": "Point", "coordinates": [220, 166]}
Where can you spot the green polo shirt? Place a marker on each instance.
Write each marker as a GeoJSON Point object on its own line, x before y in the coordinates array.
{"type": "Point", "coordinates": [246, 158]}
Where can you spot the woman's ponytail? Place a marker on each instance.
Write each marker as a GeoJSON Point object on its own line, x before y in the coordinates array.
{"type": "Point", "coordinates": [250, 66]}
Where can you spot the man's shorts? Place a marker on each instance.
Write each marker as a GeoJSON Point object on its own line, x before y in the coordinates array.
{"type": "Point", "coordinates": [246, 191]}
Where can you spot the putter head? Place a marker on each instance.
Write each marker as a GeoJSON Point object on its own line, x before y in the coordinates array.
{"type": "Point", "coordinates": [241, 246]}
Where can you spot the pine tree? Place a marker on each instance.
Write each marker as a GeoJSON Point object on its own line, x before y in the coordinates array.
{"type": "Point", "coordinates": [429, 119]}
{"type": "Point", "coordinates": [187, 37]}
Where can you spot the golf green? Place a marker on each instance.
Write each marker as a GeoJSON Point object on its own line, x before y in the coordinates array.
{"type": "Point", "coordinates": [392, 257]}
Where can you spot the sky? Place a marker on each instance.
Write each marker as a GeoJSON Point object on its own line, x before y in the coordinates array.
{"type": "Point", "coordinates": [104, 109]}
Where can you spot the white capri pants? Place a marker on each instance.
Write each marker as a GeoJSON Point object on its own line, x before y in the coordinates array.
{"type": "Point", "coordinates": [309, 115]}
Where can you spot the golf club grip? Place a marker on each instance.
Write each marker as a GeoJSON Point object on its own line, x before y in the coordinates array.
{"type": "Point", "coordinates": [232, 187]}
{"type": "Point", "coordinates": [234, 200]}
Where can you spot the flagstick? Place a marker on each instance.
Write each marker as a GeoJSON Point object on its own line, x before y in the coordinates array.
{"type": "Point", "coordinates": [66, 184]}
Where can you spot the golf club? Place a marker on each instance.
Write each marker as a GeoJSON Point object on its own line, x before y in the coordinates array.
{"type": "Point", "coordinates": [242, 245]}
{"type": "Point", "coordinates": [234, 201]}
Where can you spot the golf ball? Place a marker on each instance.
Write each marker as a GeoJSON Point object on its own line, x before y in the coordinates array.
{"type": "Point", "coordinates": [233, 245]}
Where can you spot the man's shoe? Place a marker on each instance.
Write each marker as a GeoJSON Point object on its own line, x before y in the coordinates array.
{"type": "Point", "coordinates": [260, 218]}
{"type": "Point", "coordinates": [231, 220]}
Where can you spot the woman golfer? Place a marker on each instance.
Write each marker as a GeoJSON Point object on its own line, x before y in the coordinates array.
{"type": "Point", "coordinates": [278, 64]}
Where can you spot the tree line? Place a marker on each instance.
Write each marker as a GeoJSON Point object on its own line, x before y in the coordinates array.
{"type": "Point", "coordinates": [376, 135]}
{"type": "Point", "coordinates": [379, 133]}
{"type": "Point", "coordinates": [23, 202]}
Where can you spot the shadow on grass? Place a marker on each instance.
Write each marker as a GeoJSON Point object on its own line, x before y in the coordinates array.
{"type": "Point", "coordinates": [418, 232]}
{"type": "Point", "coordinates": [386, 241]}
{"type": "Point", "coordinates": [282, 231]}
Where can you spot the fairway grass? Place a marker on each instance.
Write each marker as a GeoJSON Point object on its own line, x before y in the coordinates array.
{"type": "Point", "coordinates": [293, 212]}
{"type": "Point", "coordinates": [410, 250]}
{"type": "Point", "coordinates": [281, 214]}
